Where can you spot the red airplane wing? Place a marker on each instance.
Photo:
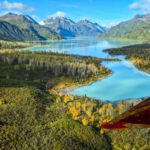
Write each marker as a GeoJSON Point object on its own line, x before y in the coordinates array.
{"type": "Point", "coordinates": [136, 117]}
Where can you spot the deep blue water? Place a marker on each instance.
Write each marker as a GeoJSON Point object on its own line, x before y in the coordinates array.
{"type": "Point", "coordinates": [125, 82]}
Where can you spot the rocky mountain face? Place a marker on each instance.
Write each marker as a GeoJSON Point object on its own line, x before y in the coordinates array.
{"type": "Point", "coordinates": [136, 28]}
{"type": "Point", "coordinates": [89, 29]}
{"type": "Point", "coordinates": [66, 27]}
{"type": "Point", "coordinates": [62, 25]}
{"type": "Point", "coordinates": [30, 29]}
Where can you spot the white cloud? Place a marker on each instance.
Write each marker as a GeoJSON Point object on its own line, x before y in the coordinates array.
{"type": "Point", "coordinates": [15, 6]}
{"type": "Point", "coordinates": [143, 5]}
{"type": "Point", "coordinates": [59, 14]}
{"type": "Point", "coordinates": [135, 6]}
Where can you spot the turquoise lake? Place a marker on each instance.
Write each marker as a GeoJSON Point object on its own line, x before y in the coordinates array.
{"type": "Point", "coordinates": [126, 81]}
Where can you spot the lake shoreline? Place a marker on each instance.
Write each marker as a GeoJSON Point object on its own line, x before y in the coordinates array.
{"type": "Point", "coordinates": [67, 90]}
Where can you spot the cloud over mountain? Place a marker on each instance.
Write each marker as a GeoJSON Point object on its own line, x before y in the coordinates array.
{"type": "Point", "coordinates": [59, 14]}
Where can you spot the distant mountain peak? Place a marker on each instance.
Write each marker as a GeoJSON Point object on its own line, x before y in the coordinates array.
{"type": "Point", "coordinates": [145, 17]}
{"type": "Point", "coordinates": [84, 20]}
{"type": "Point", "coordinates": [142, 16]}
{"type": "Point", "coordinates": [58, 17]}
{"type": "Point", "coordinates": [92, 25]}
{"type": "Point", "coordinates": [139, 16]}
{"type": "Point", "coordinates": [10, 14]}
{"type": "Point", "coordinates": [58, 20]}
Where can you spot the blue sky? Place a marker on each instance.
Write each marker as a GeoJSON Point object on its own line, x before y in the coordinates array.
{"type": "Point", "coordinates": [105, 12]}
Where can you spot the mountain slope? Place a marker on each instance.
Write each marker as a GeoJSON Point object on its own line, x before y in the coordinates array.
{"type": "Point", "coordinates": [66, 27]}
{"type": "Point", "coordinates": [136, 28]}
{"type": "Point", "coordinates": [13, 33]}
{"type": "Point", "coordinates": [29, 27]}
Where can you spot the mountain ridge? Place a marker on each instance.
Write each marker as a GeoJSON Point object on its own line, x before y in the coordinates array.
{"type": "Point", "coordinates": [137, 28]}
{"type": "Point", "coordinates": [67, 27]}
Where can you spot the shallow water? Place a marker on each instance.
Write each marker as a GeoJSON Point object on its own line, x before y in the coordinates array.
{"type": "Point", "coordinates": [125, 82]}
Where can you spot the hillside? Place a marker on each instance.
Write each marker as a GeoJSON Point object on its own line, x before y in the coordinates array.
{"type": "Point", "coordinates": [67, 27]}
{"type": "Point", "coordinates": [13, 33]}
{"type": "Point", "coordinates": [31, 119]}
{"type": "Point", "coordinates": [26, 29]}
{"type": "Point", "coordinates": [137, 28]}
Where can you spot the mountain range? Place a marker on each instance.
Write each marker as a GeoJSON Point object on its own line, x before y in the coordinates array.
{"type": "Point", "coordinates": [137, 28]}
{"type": "Point", "coordinates": [67, 27]}
{"type": "Point", "coordinates": [14, 27]}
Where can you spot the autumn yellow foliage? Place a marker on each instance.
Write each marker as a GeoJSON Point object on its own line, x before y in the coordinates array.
{"type": "Point", "coordinates": [84, 121]}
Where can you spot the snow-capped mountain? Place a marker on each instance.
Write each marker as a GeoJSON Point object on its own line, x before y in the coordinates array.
{"type": "Point", "coordinates": [67, 27]}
